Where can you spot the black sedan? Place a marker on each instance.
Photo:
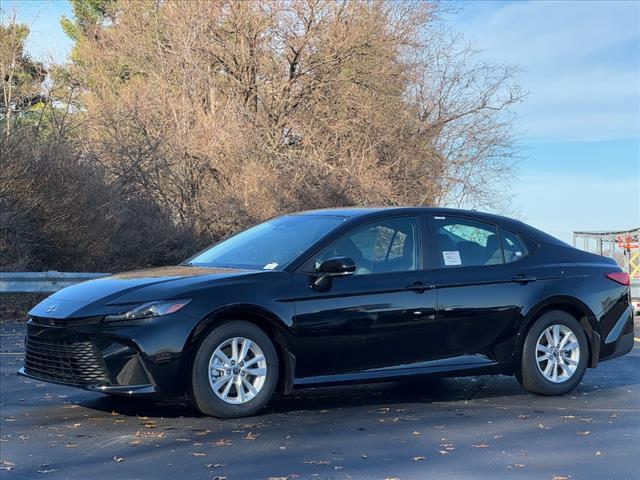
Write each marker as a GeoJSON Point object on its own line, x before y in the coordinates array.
{"type": "Point", "coordinates": [334, 296]}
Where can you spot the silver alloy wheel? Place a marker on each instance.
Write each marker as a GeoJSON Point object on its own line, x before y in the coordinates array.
{"type": "Point", "coordinates": [237, 370]}
{"type": "Point", "coordinates": [557, 353]}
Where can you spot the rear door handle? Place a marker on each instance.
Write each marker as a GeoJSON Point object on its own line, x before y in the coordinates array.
{"type": "Point", "coordinates": [419, 287]}
{"type": "Point", "coordinates": [523, 279]}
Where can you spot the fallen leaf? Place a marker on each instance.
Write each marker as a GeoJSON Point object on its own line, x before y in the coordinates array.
{"type": "Point", "coordinates": [586, 432]}
{"type": "Point", "coordinates": [6, 465]}
{"type": "Point", "coordinates": [198, 454]}
{"type": "Point", "coordinates": [214, 465]}
{"type": "Point", "coordinates": [118, 459]}
{"type": "Point", "coordinates": [479, 445]}
{"type": "Point", "coordinates": [598, 453]}
{"type": "Point", "coordinates": [560, 477]}
{"type": "Point", "coordinates": [251, 436]}
{"type": "Point", "coordinates": [419, 459]}
{"type": "Point", "coordinates": [415, 432]}
{"type": "Point", "coordinates": [46, 469]}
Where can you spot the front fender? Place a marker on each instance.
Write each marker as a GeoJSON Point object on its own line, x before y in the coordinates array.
{"type": "Point", "coordinates": [276, 328]}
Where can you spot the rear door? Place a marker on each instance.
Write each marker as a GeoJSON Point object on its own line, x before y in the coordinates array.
{"type": "Point", "coordinates": [485, 276]}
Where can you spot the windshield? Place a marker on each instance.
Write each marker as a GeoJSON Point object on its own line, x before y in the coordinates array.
{"type": "Point", "coordinates": [269, 245]}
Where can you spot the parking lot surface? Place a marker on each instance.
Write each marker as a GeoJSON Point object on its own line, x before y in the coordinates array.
{"type": "Point", "coordinates": [465, 428]}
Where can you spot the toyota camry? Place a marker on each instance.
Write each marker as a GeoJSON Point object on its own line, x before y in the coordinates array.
{"type": "Point", "coordinates": [338, 296]}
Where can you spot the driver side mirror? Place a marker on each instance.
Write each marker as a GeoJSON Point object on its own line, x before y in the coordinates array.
{"type": "Point", "coordinates": [333, 267]}
{"type": "Point", "coordinates": [337, 267]}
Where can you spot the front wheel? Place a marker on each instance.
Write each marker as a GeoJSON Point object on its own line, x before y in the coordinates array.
{"type": "Point", "coordinates": [235, 371]}
{"type": "Point", "coordinates": [555, 355]}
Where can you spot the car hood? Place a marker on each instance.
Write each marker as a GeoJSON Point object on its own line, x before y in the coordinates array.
{"type": "Point", "coordinates": [117, 293]}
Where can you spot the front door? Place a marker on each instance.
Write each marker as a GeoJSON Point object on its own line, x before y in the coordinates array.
{"type": "Point", "coordinates": [377, 317]}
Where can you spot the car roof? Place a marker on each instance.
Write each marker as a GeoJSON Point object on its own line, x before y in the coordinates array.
{"type": "Point", "coordinates": [509, 223]}
{"type": "Point", "coordinates": [350, 212]}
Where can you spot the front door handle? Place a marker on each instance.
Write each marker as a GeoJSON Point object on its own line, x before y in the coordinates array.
{"type": "Point", "coordinates": [419, 287]}
{"type": "Point", "coordinates": [524, 279]}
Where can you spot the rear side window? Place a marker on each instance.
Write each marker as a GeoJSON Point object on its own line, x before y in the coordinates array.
{"type": "Point", "coordinates": [465, 242]}
{"type": "Point", "coordinates": [515, 246]}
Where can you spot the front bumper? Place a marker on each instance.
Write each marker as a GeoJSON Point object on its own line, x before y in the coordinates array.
{"type": "Point", "coordinates": [95, 359]}
{"type": "Point", "coordinates": [97, 387]}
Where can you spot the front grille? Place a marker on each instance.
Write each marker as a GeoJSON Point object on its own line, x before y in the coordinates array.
{"type": "Point", "coordinates": [64, 322]}
{"type": "Point", "coordinates": [78, 363]}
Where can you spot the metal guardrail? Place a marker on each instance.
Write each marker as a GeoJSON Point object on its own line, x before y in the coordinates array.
{"type": "Point", "coordinates": [42, 282]}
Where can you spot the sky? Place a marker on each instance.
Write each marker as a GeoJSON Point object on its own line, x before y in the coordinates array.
{"type": "Point", "coordinates": [580, 64]}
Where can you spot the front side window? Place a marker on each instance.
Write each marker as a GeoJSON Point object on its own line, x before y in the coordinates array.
{"type": "Point", "coordinates": [381, 247]}
{"type": "Point", "coordinates": [464, 242]}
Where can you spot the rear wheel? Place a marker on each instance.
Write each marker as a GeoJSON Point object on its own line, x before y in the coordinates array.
{"type": "Point", "coordinates": [555, 355]}
{"type": "Point", "coordinates": [235, 371]}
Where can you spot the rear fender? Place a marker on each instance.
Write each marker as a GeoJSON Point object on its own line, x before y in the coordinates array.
{"type": "Point", "coordinates": [574, 307]}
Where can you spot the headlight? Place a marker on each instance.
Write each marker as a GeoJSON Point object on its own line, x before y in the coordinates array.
{"type": "Point", "coordinates": [148, 310]}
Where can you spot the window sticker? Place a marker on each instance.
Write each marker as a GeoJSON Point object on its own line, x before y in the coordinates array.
{"type": "Point", "coordinates": [270, 266]}
{"type": "Point", "coordinates": [518, 254]}
{"type": "Point", "coordinates": [452, 257]}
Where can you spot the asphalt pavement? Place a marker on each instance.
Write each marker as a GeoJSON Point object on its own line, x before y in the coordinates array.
{"type": "Point", "coordinates": [465, 428]}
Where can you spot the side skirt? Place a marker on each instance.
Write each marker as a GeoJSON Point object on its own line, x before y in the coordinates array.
{"type": "Point", "coordinates": [443, 368]}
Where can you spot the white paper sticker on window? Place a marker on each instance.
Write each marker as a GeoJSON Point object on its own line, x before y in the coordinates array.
{"type": "Point", "coordinates": [452, 257]}
{"type": "Point", "coordinates": [270, 266]}
{"type": "Point", "coordinates": [518, 254]}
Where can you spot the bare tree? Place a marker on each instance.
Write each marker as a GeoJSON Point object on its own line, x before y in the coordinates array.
{"type": "Point", "coordinates": [230, 112]}
{"type": "Point", "coordinates": [189, 119]}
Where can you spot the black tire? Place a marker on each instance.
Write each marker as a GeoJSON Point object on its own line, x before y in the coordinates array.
{"type": "Point", "coordinates": [531, 378]}
{"type": "Point", "coordinates": [202, 393]}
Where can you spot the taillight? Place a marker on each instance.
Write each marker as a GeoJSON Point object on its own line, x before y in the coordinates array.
{"type": "Point", "coordinates": [619, 277]}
